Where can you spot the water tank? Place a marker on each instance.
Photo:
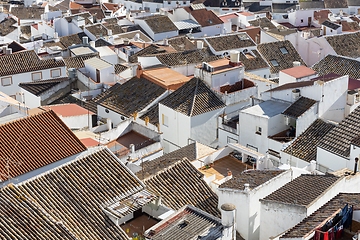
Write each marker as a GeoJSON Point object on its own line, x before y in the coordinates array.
{"type": "Point", "coordinates": [85, 40]}
{"type": "Point", "coordinates": [235, 56]}
{"type": "Point", "coordinates": [228, 214]}
{"type": "Point", "coordinates": [296, 94]}
{"type": "Point", "coordinates": [200, 44]}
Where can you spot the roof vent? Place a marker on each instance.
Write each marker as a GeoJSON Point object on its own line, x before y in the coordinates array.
{"type": "Point", "coordinates": [296, 94]}
{"type": "Point", "coordinates": [296, 64]}
{"type": "Point", "coordinates": [85, 40]}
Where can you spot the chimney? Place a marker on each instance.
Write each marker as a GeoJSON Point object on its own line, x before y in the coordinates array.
{"type": "Point", "coordinates": [228, 218]}
{"type": "Point", "coordinates": [234, 58]}
{"type": "Point", "coordinates": [356, 164]}
{"type": "Point", "coordinates": [8, 51]}
{"type": "Point", "coordinates": [92, 44]}
{"type": "Point", "coordinates": [296, 64]}
{"type": "Point", "coordinates": [126, 41]}
{"type": "Point", "coordinates": [166, 42]}
{"type": "Point", "coordinates": [4, 48]}
{"type": "Point", "coordinates": [56, 37]}
{"type": "Point", "coordinates": [132, 148]}
{"type": "Point", "coordinates": [199, 45]}
{"type": "Point", "coordinates": [85, 40]}
{"type": "Point", "coordinates": [247, 187]}
{"type": "Point", "coordinates": [110, 33]}
{"type": "Point", "coordinates": [296, 94]}
{"type": "Point", "coordinates": [312, 166]}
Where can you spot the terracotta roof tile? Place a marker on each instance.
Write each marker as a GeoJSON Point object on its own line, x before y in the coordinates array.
{"type": "Point", "coordinates": [336, 3]}
{"type": "Point", "coordinates": [35, 141]}
{"type": "Point", "coordinates": [27, 12]}
{"type": "Point", "coordinates": [204, 17]}
{"type": "Point", "coordinates": [69, 40]}
{"type": "Point", "coordinates": [78, 61]}
{"type": "Point", "coordinates": [262, 22]}
{"type": "Point", "coordinates": [68, 110]}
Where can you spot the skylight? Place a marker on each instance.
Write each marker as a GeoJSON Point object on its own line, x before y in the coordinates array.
{"type": "Point", "coordinates": [274, 63]}
{"type": "Point", "coordinates": [283, 50]}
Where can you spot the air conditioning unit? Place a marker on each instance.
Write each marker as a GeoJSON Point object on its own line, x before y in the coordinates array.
{"type": "Point", "coordinates": [204, 65]}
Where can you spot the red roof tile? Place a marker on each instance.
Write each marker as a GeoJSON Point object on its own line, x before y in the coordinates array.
{"type": "Point", "coordinates": [68, 110]}
{"type": "Point", "coordinates": [89, 142]}
{"type": "Point", "coordinates": [299, 72]}
{"type": "Point", "coordinates": [35, 141]}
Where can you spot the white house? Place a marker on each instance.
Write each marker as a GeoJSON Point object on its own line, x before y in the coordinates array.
{"type": "Point", "coordinates": [27, 66]}
{"type": "Point", "coordinates": [190, 114]}
{"type": "Point", "coordinates": [296, 74]}
{"type": "Point", "coordinates": [100, 70]}
{"type": "Point", "coordinates": [330, 28]}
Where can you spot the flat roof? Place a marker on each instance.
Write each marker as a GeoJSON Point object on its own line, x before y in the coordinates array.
{"type": "Point", "coordinates": [82, 50]}
{"type": "Point", "coordinates": [105, 51]}
{"type": "Point", "coordinates": [299, 71]}
{"type": "Point", "coordinates": [166, 77]}
{"type": "Point", "coordinates": [97, 63]}
{"type": "Point", "coordinates": [221, 65]}
{"type": "Point", "coordinates": [68, 110]}
{"type": "Point", "coordinates": [267, 109]}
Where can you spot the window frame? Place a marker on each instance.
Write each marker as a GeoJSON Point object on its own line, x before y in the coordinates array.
{"type": "Point", "coordinates": [11, 81]}
{"type": "Point", "coordinates": [32, 76]}
{"type": "Point", "coordinates": [51, 72]}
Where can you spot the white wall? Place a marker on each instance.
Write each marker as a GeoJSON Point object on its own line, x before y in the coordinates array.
{"type": "Point", "coordinates": [78, 122]}
{"type": "Point", "coordinates": [300, 18]}
{"type": "Point", "coordinates": [114, 116]}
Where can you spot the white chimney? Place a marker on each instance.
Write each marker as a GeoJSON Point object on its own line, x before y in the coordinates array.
{"type": "Point", "coordinates": [296, 64]}
{"type": "Point", "coordinates": [108, 123]}
{"type": "Point", "coordinates": [85, 40]}
{"type": "Point", "coordinates": [166, 42]}
{"type": "Point", "coordinates": [137, 37]}
{"type": "Point", "coordinates": [126, 41]}
{"type": "Point", "coordinates": [56, 35]}
{"type": "Point", "coordinates": [4, 49]}
{"type": "Point", "coordinates": [110, 32]}
{"type": "Point", "coordinates": [247, 187]}
{"type": "Point", "coordinates": [228, 218]}
{"type": "Point", "coordinates": [312, 166]}
{"type": "Point", "coordinates": [8, 51]}
{"type": "Point", "coordinates": [199, 44]}
{"type": "Point", "coordinates": [296, 94]}
{"type": "Point", "coordinates": [132, 148]}
{"type": "Point", "coordinates": [234, 58]}
{"type": "Point", "coordinates": [92, 44]}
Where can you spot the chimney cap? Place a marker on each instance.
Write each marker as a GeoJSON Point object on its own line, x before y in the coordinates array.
{"type": "Point", "coordinates": [228, 207]}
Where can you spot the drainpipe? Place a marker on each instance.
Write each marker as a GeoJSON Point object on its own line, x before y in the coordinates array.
{"type": "Point", "coordinates": [356, 163]}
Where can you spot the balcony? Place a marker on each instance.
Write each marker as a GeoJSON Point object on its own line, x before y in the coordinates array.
{"type": "Point", "coordinates": [281, 137]}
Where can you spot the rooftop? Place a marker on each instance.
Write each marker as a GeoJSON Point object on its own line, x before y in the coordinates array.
{"type": "Point", "coordinates": [150, 50]}
{"type": "Point", "coordinates": [32, 12]}
{"type": "Point", "coordinates": [308, 225]}
{"type": "Point", "coordinates": [199, 225]}
{"type": "Point", "coordinates": [278, 59]}
{"type": "Point", "coordinates": [339, 65]}
{"type": "Point", "coordinates": [78, 61]}
{"type": "Point", "coordinates": [204, 17]}
{"type": "Point", "coordinates": [304, 146]}
{"type": "Point", "coordinates": [220, 65]}
{"type": "Point", "coordinates": [98, 63]}
{"type": "Point", "coordinates": [303, 190]}
{"type": "Point", "coordinates": [6, 26]}
{"type": "Point", "coordinates": [166, 77]}
{"type": "Point", "coordinates": [263, 22]}
{"type": "Point", "coordinates": [82, 50]}
{"type": "Point", "coordinates": [68, 110]}
{"type": "Point", "coordinates": [159, 23]}
{"type": "Point", "coordinates": [39, 87]}
{"type": "Point", "coordinates": [37, 142]}
{"type": "Point", "coordinates": [336, 3]}
{"type": "Point", "coordinates": [231, 41]}
{"type": "Point", "coordinates": [253, 60]}
{"type": "Point", "coordinates": [299, 72]}
{"type": "Point", "coordinates": [346, 44]}
{"type": "Point", "coordinates": [193, 98]}
{"type": "Point", "coordinates": [132, 96]}
{"type": "Point", "coordinates": [169, 184]}
{"type": "Point", "coordinates": [153, 114]}
{"type": "Point", "coordinates": [330, 24]}
{"type": "Point", "coordinates": [26, 61]}
{"type": "Point", "coordinates": [254, 178]}
{"type": "Point", "coordinates": [98, 30]}
{"type": "Point", "coordinates": [267, 109]}
{"type": "Point", "coordinates": [338, 139]}
{"type": "Point", "coordinates": [299, 107]}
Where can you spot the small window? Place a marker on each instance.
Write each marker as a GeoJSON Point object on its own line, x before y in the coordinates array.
{"type": "Point", "coordinates": [330, 30]}
{"type": "Point", "coordinates": [169, 3]}
{"type": "Point", "coordinates": [107, 110]}
{"type": "Point", "coordinates": [55, 73]}
{"type": "Point", "coordinates": [184, 3]}
{"type": "Point", "coordinates": [283, 50]}
{"type": "Point", "coordinates": [165, 120]}
{"type": "Point", "coordinates": [210, 21]}
{"type": "Point", "coordinates": [6, 81]}
{"type": "Point", "coordinates": [258, 130]}
{"type": "Point", "coordinates": [302, 20]}
{"type": "Point", "coordinates": [264, 76]}
{"type": "Point", "coordinates": [36, 76]}
{"type": "Point", "coordinates": [274, 63]}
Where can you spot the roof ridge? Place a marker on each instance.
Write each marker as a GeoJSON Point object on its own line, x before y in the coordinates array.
{"type": "Point", "coordinates": [195, 94]}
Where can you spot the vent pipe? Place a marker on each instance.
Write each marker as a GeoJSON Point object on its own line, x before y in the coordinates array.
{"type": "Point", "coordinates": [228, 219]}
{"type": "Point", "coordinates": [234, 58]}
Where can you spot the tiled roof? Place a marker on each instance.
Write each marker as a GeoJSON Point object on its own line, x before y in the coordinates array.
{"type": "Point", "coordinates": [132, 96]}
{"type": "Point", "coordinates": [299, 71]}
{"type": "Point", "coordinates": [69, 40]}
{"type": "Point", "coordinates": [254, 178]}
{"type": "Point", "coordinates": [280, 34]}
{"type": "Point", "coordinates": [271, 51]}
{"type": "Point", "coordinates": [338, 139]}
{"type": "Point", "coordinates": [181, 44]}
{"type": "Point", "coordinates": [98, 30]}
{"type": "Point", "coordinates": [193, 98]}
{"type": "Point", "coordinates": [119, 68]}
{"type": "Point", "coordinates": [149, 50]}
{"type": "Point", "coordinates": [83, 187]}
{"type": "Point", "coordinates": [330, 24]}
{"type": "Point", "coordinates": [353, 3]}
{"type": "Point", "coordinates": [252, 62]}
{"type": "Point", "coordinates": [283, 7]}
{"type": "Point", "coordinates": [303, 190]}
{"type": "Point", "coordinates": [182, 184]}
{"type": "Point", "coordinates": [339, 65]}
{"type": "Point", "coordinates": [84, 15]}
{"type": "Point", "coordinates": [16, 47]}
{"type": "Point", "coordinates": [38, 87]}
{"type": "Point", "coordinates": [26, 30]}
{"type": "Point", "coordinates": [78, 61]}
{"type": "Point", "coordinates": [26, 61]}
{"type": "Point", "coordinates": [299, 107]}
{"type": "Point", "coordinates": [150, 168]}
{"type": "Point", "coordinates": [35, 141]}
{"type": "Point", "coordinates": [6, 26]}
{"type": "Point", "coordinates": [199, 224]}
{"type": "Point", "coordinates": [23, 219]}
{"type": "Point", "coordinates": [256, 7]}
{"type": "Point", "coordinates": [116, 28]}
{"type": "Point", "coordinates": [262, 22]}
{"type": "Point", "coordinates": [350, 26]}
{"type": "Point", "coordinates": [304, 146]}
{"type": "Point", "coordinates": [187, 57]}
{"type": "Point", "coordinates": [312, 5]}
{"type": "Point", "coordinates": [311, 222]}
{"type": "Point", "coordinates": [228, 42]}
{"type": "Point", "coordinates": [90, 105]}
{"type": "Point", "coordinates": [347, 45]}
{"type": "Point", "coordinates": [153, 114]}
{"type": "Point", "coordinates": [27, 12]}
{"type": "Point", "coordinates": [68, 110]}
{"type": "Point", "coordinates": [204, 17]}
{"type": "Point", "coordinates": [159, 23]}
{"type": "Point", "coordinates": [102, 43]}
{"type": "Point", "coordinates": [336, 3]}
{"type": "Point", "coordinates": [54, 45]}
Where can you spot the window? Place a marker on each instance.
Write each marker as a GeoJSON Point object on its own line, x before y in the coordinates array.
{"type": "Point", "coordinates": [283, 50]}
{"type": "Point", "coordinates": [258, 130]}
{"type": "Point", "coordinates": [274, 63]}
{"type": "Point", "coordinates": [169, 3]}
{"type": "Point", "coordinates": [36, 76]}
{"type": "Point", "coordinates": [13, 96]}
{"type": "Point", "coordinates": [302, 20]}
{"type": "Point", "coordinates": [231, 140]}
{"type": "Point", "coordinates": [157, 9]}
{"type": "Point", "coordinates": [165, 120]}
{"type": "Point", "coordinates": [265, 76]}
{"type": "Point", "coordinates": [6, 81]}
{"type": "Point", "coordinates": [55, 73]}
{"type": "Point", "coordinates": [184, 3]}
